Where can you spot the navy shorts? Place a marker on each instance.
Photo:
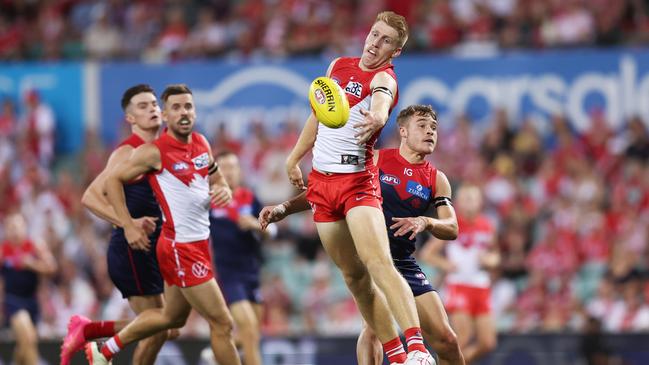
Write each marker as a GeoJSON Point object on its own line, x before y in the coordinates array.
{"type": "Point", "coordinates": [414, 276]}
{"type": "Point", "coordinates": [13, 304]}
{"type": "Point", "coordinates": [237, 286]}
{"type": "Point", "coordinates": [134, 272]}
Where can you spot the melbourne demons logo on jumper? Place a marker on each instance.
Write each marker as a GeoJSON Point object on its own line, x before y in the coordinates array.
{"type": "Point", "coordinates": [390, 179]}
{"type": "Point", "coordinates": [200, 270]}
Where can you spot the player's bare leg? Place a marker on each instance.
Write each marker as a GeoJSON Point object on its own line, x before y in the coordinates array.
{"type": "Point", "coordinates": [437, 329]}
{"type": "Point", "coordinates": [486, 339]}
{"type": "Point", "coordinates": [173, 315]}
{"type": "Point", "coordinates": [368, 347]}
{"type": "Point", "coordinates": [147, 349]}
{"type": "Point", "coordinates": [208, 301]}
{"type": "Point", "coordinates": [339, 245]}
{"type": "Point", "coordinates": [370, 236]}
{"type": "Point", "coordinates": [248, 330]}
{"type": "Point", "coordinates": [26, 351]}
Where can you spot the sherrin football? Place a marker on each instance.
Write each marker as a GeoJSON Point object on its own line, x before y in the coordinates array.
{"type": "Point", "coordinates": [329, 102]}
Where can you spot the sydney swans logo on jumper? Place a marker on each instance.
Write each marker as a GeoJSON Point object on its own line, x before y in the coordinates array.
{"type": "Point", "coordinates": [201, 161]}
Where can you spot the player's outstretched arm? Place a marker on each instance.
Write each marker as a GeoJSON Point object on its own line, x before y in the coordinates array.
{"type": "Point", "coordinates": [443, 227]}
{"type": "Point", "coordinates": [304, 144]}
{"type": "Point", "coordinates": [144, 159]}
{"type": "Point", "coordinates": [276, 213]}
{"type": "Point", "coordinates": [383, 87]}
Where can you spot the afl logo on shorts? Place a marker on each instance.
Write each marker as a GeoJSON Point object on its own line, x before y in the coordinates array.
{"type": "Point", "coordinates": [200, 270]}
{"type": "Point", "coordinates": [390, 179]}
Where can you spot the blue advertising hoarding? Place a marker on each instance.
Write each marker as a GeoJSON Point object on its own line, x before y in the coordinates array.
{"type": "Point", "coordinates": [535, 85]}
{"type": "Point", "coordinates": [60, 86]}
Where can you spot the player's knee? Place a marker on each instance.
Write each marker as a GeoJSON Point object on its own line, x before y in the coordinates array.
{"type": "Point", "coordinates": [249, 334]}
{"type": "Point", "coordinates": [222, 324]}
{"type": "Point", "coordinates": [447, 344]}
{"type": "Point", "coordinates": [378, 265]}
{"type": "Point", "coordinates": [27, 340]}
{"type": "Point", "coordinates": [368, 335]}
{"type": "Point", "coordinates": [487, 344]}
{"type": "Point", "coordinates": [358, 281]}
{"type": "Point", "coordinates": [176, 322]}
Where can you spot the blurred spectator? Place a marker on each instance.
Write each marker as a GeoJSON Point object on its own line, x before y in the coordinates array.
{"type": "Point", "coordinates": [252, 28]}
{"type": "Point", "coordinates": [102, 39]}
{"type": "Point", "coordinates": [38, 127]}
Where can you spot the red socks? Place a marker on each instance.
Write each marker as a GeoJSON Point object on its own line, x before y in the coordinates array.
{"type": "Point", "coordinates": [394, 351]}
{"type": "Point", "coordinates": [98, 330]}
{"type": "Point", "coordinates": [414, 339]}
{"type": "Point", "coordinates": [111, 347]}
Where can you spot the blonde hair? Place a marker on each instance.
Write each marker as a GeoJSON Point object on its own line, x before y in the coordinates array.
{"type": "Point", "coordinates": [396, 21]}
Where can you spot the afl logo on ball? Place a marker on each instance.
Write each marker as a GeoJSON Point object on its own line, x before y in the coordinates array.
{"type": "Point", "coordinates": [200, 270]}
{"type": "Point", "coordinates": [320, 96]}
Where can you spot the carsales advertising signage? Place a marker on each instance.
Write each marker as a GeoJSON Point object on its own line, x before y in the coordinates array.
{"type": "Point", "coordinates": [537, 85]}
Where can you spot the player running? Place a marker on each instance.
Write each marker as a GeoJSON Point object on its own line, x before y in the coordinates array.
{"type": "Point", "coordinates": [411, 187]}
{"type": "Point", "coordinates": [134, 273]}
{"type": "Point", "coordinates": [185, 180]}
{"type": "Point", "coordinates": [343, 189]}
{"type": "Point", "coordinates": [21, 261]}
{"type": "Point", "coordinates": [237, 257]}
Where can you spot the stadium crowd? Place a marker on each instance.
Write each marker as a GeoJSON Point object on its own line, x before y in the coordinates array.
{"type": "Point", "coordinates": [168, 30]}
{"type": "Point", "coordinates": [571, 210]}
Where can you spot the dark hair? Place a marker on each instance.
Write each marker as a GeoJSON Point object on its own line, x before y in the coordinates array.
{"type": "Point", "coordinates": [175, 89]}
{"type": "Point", "coordinates": [417, 109]}
{"type": "Point", "coordinates": [134, 90]}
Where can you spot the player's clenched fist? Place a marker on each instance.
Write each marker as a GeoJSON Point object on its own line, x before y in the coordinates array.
{"type": "Point", "coordinates": [271, 214]}
{"type": "Point", "coordinates": [148, 224]}
{"type": "Point", "coordinates": [137, 237]}
{"type": "Point", "coordinates": [295, 176]}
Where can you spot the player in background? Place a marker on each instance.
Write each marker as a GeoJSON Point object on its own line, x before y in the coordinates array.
{"type": "Point", "coordinates": [343, 189]}
{"type": "Point", "coordinates": [134, 273]}
{"type": "Point", "coordinates": [466, 263]}
{"type": "Point", "coordinates": [412, 189]}
{"type": "Point", "coordinates": [185, 179]}
{"type": "Point", "coordinates": [22, 261]}
{"type": "Point", "coordinates": [236, 242]}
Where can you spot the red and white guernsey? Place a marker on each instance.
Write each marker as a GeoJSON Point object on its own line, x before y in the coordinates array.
{"type": "Point", "coordinates": [473, 241]}
{"type": "Point", "coordinates": [337, 150]}
{"type": "Point", "coordinates": [182, 188]}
